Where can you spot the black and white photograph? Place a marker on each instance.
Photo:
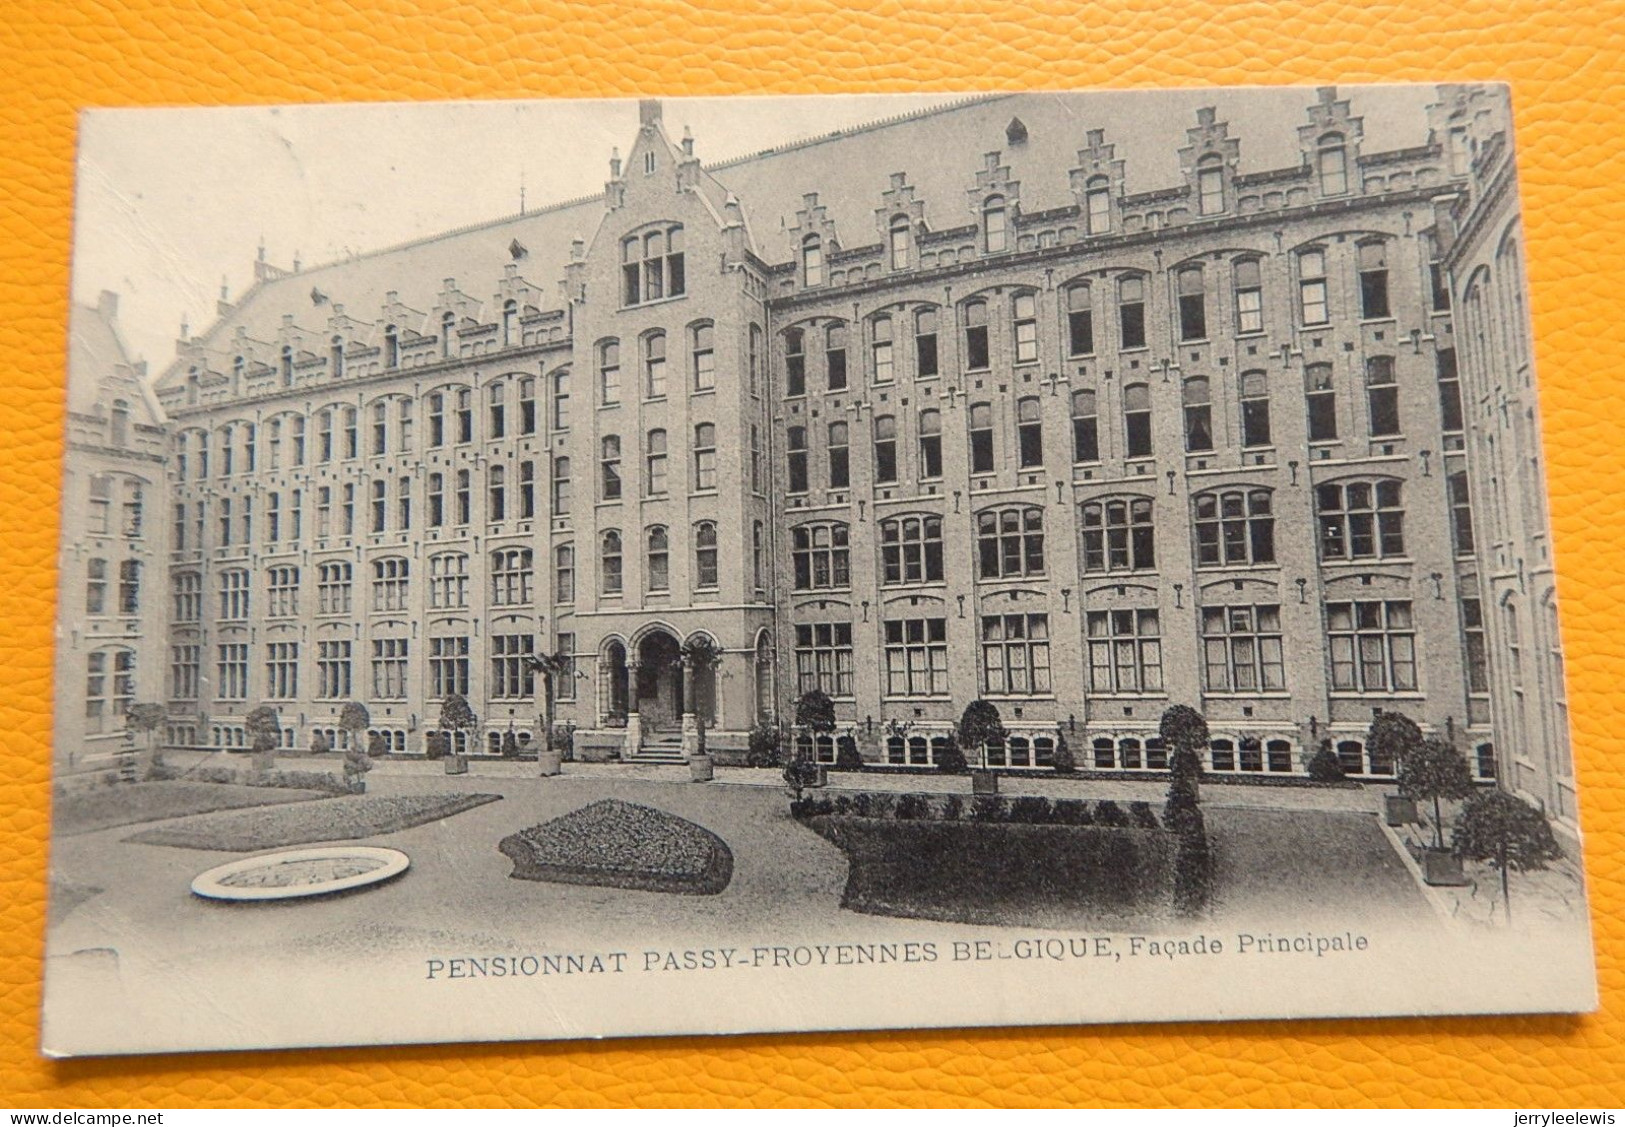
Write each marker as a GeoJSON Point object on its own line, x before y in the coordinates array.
{"type": "Point", "coordinates": [555, 569]}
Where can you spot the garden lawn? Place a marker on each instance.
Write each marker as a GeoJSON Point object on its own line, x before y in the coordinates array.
{"type": "Point", "coordinates": [103, 808]}
{"type": "Point", "coordinates": [345, 818]}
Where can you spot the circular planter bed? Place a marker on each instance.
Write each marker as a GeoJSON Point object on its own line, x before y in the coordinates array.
{"type": "Point", "coordinates": [622, 845]}
{"type": "Point", "coordinates": [296, 873]}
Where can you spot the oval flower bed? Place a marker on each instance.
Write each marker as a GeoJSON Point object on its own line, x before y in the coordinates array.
{"type": "Point", "coordinates": [622, 845]}
{"type": "Point", "coordinates": [999, 860]}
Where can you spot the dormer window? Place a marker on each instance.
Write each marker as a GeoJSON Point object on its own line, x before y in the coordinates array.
{"type": "Point", "coordinates": [392, 347]}
{"type": "Point", "coordinates": [995, 225]}
{"type": "Point", "coordinates": [652, 266]}
{"type": "Point", "coordinates": [448, 327]}
{"type": "Point", "coordinates": [336, 358]}
{"type": "Point", "coordinates": [1331, 159]}
{"type": "Point", "coordinates": [812, 261]}
{"type": "Point", "coordinates": [287, 364]}
{"type": "Point", "coordinates": [119, 428]}
{"type": "Point", "coordinates": [510, 321]}
{"type": "Point", "coordinates": [1210, 186]}
{"type": "Point", "coordinates": [1097, 200]}
{"type": "Point", "coordinates": [899, 242]}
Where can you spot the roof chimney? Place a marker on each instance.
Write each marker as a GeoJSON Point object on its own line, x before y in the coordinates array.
{"type": "Point", "coordinates": [649, 111]}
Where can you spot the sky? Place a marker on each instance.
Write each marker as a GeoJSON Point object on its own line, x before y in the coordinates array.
{"type": "Point", "coordinates": [174, 203]}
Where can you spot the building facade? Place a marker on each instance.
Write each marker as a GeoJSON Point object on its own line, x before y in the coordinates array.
{"type": "Point", "coordinates": [1004, 429]}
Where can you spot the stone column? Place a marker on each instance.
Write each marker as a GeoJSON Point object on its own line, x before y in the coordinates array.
{"type": "Point", "coordinates": [691, 735]}
{"type": "Point", "coordinates": [634, 723]}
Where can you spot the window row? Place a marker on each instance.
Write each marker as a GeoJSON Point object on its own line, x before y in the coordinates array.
{"type": "Point", "coordinates": [657, 566]}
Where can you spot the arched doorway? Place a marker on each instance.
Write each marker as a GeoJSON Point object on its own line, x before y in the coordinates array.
{"type": "Point", "coordinates": [614, 689]}
{"type": "Point", "coordinates": [659, 683]}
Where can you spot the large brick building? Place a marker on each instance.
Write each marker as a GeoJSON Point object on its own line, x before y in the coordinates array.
{"type": "Point", "coordinates": [987, 426]}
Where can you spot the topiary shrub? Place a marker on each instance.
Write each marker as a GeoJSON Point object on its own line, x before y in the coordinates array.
{"type": "Point", "coordinates": [987, 808]}
{"type": "Point", "coordinates": [1108, 813]}
{"type": "Point", "coordinates": [376, 747]}
{"type": "Point", "coordinates": [950, 759]}
{"type": "Point", "coordinates": [1324, 766]}
{"type": "Point", "coordinates": [953, 808]}
{"type": "Point", "coordinates": [764, 748]}
{"type": "Point", "coordinates": [979, 725]}
{"type": "Point", "coordinates": [437, 745]}
{"type": "Point", "coordinates": [1193, 863]}
{"type": "Point", "coordinates": [846, 755]}
{"type": "Point", "coordinates": [1030, 810]}
{"type": "Point", "coordinates": [1143, 817]}
{"type": "Point", "coordinates": [1064, 762]}
{"type": "Point", "coordinates": [1071, 812]}
{"type": "Point", "coordinates": [912, 808]}
{"type": "Point", "coordinates": [319, 745]}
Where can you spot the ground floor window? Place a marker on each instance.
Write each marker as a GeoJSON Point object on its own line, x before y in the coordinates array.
{"type": "Point", "coordinates": [1484, 760]}
{"type": "Point", "coordinates": [824, 657]}
{"type": "Point", "coordinates": [1022, 751]}
{"type": "Point", "coordinates": [819, 748]}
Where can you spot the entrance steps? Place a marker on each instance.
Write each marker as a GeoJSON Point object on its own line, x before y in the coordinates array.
{"type": "Point", "coordinates": [660, 747]}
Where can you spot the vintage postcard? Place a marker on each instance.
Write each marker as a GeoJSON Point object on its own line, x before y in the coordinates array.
{"type": "Point", "coordinates": [552, 570]}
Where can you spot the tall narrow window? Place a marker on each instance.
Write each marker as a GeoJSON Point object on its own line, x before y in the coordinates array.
{"type": "Point", "coordinates": [1438, 285]}
{"type": "Point", "coordinates": [1321, 396]}
{"type": "Point", "coordinates": [510, 324]}
{"type": "Point", "coordinates": [465, 494]}
{"type": "Point", "coordinates": [1461, 513]}
{"type": "Point", "coordinates": [436, 501]}
{"type": "Point", "coordinates": [527, 405]}
{"type": "Point", "coordinates": [335, 358]}
{"type": "Point", "coordinates": [1198, 401]}
{"type": "Point", "coordinates": [1080, 320]}
{"type": "Point", "coordinates": [705, 555]}
{"type": "Point", "coordinates": [1312, 294]}
{"type": "Point", "coordinates": [1131, 312]}
{"type": "Point", "coordinates": [1192, 304]}
{"type": "Point", "coordinates": [885, 449]}
{"type": "Point", "coordinates": [1249, 297]}
{"type": "Point", "coordinates": [981, 438]}
{"type": "Point", "coordinates": [1373, 280]}
{"type": "Point", "coordinates": [1332, 161]}
{"type": "Point", "coordinates": [899, 242]}
{"type": "Point", "coordinates": [795, 362]}
{"type": "Point", "coordinates": [380, 427]}
{"type": "Point", "coordinates": [1085, 427]}
{"type": "Point", "coordinates": [564, 573]}
{"type": "Point", "coordinates": [392, 347]}
{"type": "Point", "coordinates": [1382, 396]}
{"type": "Point", "coordinates": [609, 468]}
{"type": "Point", "coordinates": [527, 490]}
{"type": "Point", "coordinates": [1450, 412]}
{"type": "Point", "coordinates": [1029, 433]}
{"type": "Point", "coordinates": [1024, 327]}
{"type": "Point", "coordinates": [1098, 205]}
{"type": "Point", "coordinates": [561, 400]}
{"type": "Point", "coordinates": [753, 357]}
{"type": "Point", "coordinates": [930, 443]}
{"type": "Point", "coordinates": [882, 351]}
{"type": "Point", "coordinates": [1210, 186]}
{"type": "Point", "coordinates": [379, 507]}
{"type": "Point", "coordinates": [465, 415]}
{"type": "Point", "coordinates": [703, 357]}
{"type": "Point", "coordinates": [658, 566]}
{"type": "Point", "coordinates": [654, 266]}
{"type": "Point", "coordinates": [497, 409]}
{"type": "Point", "coordinates": [840, 457]}
{"type": "Point", "coordinates": [812, 261]}
{"type": "Point", "coordinates": [1255, 409]}
{"type": "Point", "coordinates": [609, 561]}
{"type": "Point", "coordinates": [1137, 419]}
{"type": "Point", "coordinates": [976, 350]}
{"type": "Point", "coordinates": [995, 225]}
{"type": "Point", "coordinates": [609, 372]}
{"type": "Point", "coordinates": [287, 364]}
{"type": "Point", "coordinates": [705, 456]}
{"type": "Point", "coordinates": [796, 458]}
{"type": "Point", "coordinates": [437, 419]}
{"type": "Point", "coordinates": [925, 343]}
{"type": "Point", "coordinates": [654, 478]}
{"type": "Point", "coordinates": [561, 486]}
{"type": "Point", "coordinates": [755, 458]}
{"type": "Point", "coordinates": [654, 365]}
{"type": "Point", "coordinates": [758, 555]}
{"type": "Point", "coordinates": [448, 332]}
{"type": "Point", "coordinates": [835, 356]}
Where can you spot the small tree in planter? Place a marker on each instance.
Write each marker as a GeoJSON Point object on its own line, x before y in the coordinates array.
{"type": "Point", "coordinates": [550, 667]}
{"type": "Point", "coordinates": [1185, 732]}
{"type": "Point", "coordinates": [456, 717]}
{"type": "Point", "coordinates": [701, 652]}
{"type": "Point", "coordinates": [354, 720]}
{"type": "Point", "coordinates": [1435, 770]}
{"type": "Point", "coordinates": [979, 725]}
{"type": "Point", "coordinates": [815, 715]}
{"type": "Point", "coordinates": [264, 728]}
{"type": "Point", "coordinates": [356, 765]}
{"type": "Point", "coordinates": [1507, 832]}
{"type": "Point", "coordinates": [1065, 763]}
{"type": "Point", "coordinates": [147, 719]}
{"type": "Point", "coordinates": [1324, 766]}
{"type": "Point", "coordinates": [1394, 737]}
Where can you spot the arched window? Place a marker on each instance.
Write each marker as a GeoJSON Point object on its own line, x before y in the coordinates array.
{"type": "Point", "coordinates": [1382, 396]}
{"type": "Point", "coordinates": [609, 562]}
{"type": "Point", "coordinates": [1029, 433]}
{"type": "Point", "coordinates": [1197, 396]}
{"type": "Point", "coordinates": [795, 362]}
{"type": "Point", "coordinates": [995, 228]}
{"type": "Point", "coordinates": [1321, 396]}
{"type": "Point", "coordinates": [512, 574]}
{"type": "Point", "coordinates": [1332, 162]}
{"type": "Point", "coordinates": [705, 555]}
{"type": "Point", "coordinates": [609, 468]}
{"type": "Point", "coordinates": [1010, 542]}
{"type": "Point", "coordinates": [510, 323]}
{"type": "Point", "coordinates": [976, 351]}
{"type": "Point", "coordinates": [448, 331]}
{"type": "Point", "coordinates": [835, 356]}
{"type": "Point", "coordinates": [654, 478]}
{"type": "Point", "coordinates": [821, 556]}
{"type": "Point", "coordinates": [392, 347]}
{"type": "Point", "coordinates": [1210, 185]}
{"type": "Point", "coordinates": [1374, 280]}
{"type": "Point", "coordinates": [1192, 304]}
{"type": "Point", "coordinates": [1118, 535]}
{"type": "Point", "coordinates": [1085, 427]}
{"type": "Point", "coordinates": [654, 365]}
{"type": "Point", "coordinates": [881, 350]}
{"type": "Point", "coordinates": [840, 457]}
{"type": "Point", "coordinates": [899, 242]}
{"type": "Point", "coordinates": [981, 438]}
{"type": "Point", "coordinates": [812, 261]}
{"type": "Point", "coordinates": [1024, 327]}
{"type": "Point", "coordinates": [1312, 293]}
{"type": "Point", "coordinates": [885, 449]}
{"type": "Point", "coordinates": [1098, 205]}
{"type": "Point", "coordinates": [795, 447]}
{"type": "Point", "coordinates": [561, 486]}
{"type": "Point", "coordinates": [609, 372]}
{"type": "Point", "coordinates": [1080, 324]}
{"type": "Point", "coordinates": [1361, 520]}
{"type": "Point", "coordinates": [930, 443]}
{"type": "Point", "coordinates": [564, 573]}
{"type": "Point", "coordinates": [1234, 526]}
{"type": "Point", "coordinates": [1137, 419]}
{"type": "Point", "coordinates": [1249, 287]}
{"type": "Point", "coordinates": [911, 550]}
{"type": "Point", "coordinates": [652, 266]}
{"type": "Point", "coordinates": [497, 409]}
{"type": "Point", "coordinates": [658, 567]}
{"type": "Point", "coordinates": [705, 456]}
{"type": "Point", "coordinates": [1255, 409]}
{"type": "Point", "coordinates": [925, 343]}
{"type": "Point", "coordinates": [703, 357]}
{"type": "Point", "coordinates": [1131, 311]}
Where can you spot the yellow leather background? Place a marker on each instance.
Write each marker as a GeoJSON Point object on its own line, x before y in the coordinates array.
{"type": "Point", "coordinates": [1565, 63]}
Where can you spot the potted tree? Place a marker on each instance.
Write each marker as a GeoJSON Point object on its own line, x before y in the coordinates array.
{"type": "Point", "coordinates": [456, 719]}
{"type": "Point", "coordinates": [1435, 770]}
{"type": "Point", "coordinates": [700, 652]}
{"type": "Point", "coordinates": [1507, 832]}
{"type": "Point", "coordinates": [979, 726]}
{"type": "Point", "coordinates": [354, 720]}
{"type": "Point", "coordinates": [815, 715]}
{"type": "Point", "coordinates": [1393, 737]}
{"type": "Point", "coordinates": [147, 719]}
{"type": "Point", "coordinates": [356, 765]}
{"type": "Point", "coordinates": [264, 729]}
{"type": "Point", "coordinates": [1324, 766]}
{"type": "Point", "coordinates": [550, 666]}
